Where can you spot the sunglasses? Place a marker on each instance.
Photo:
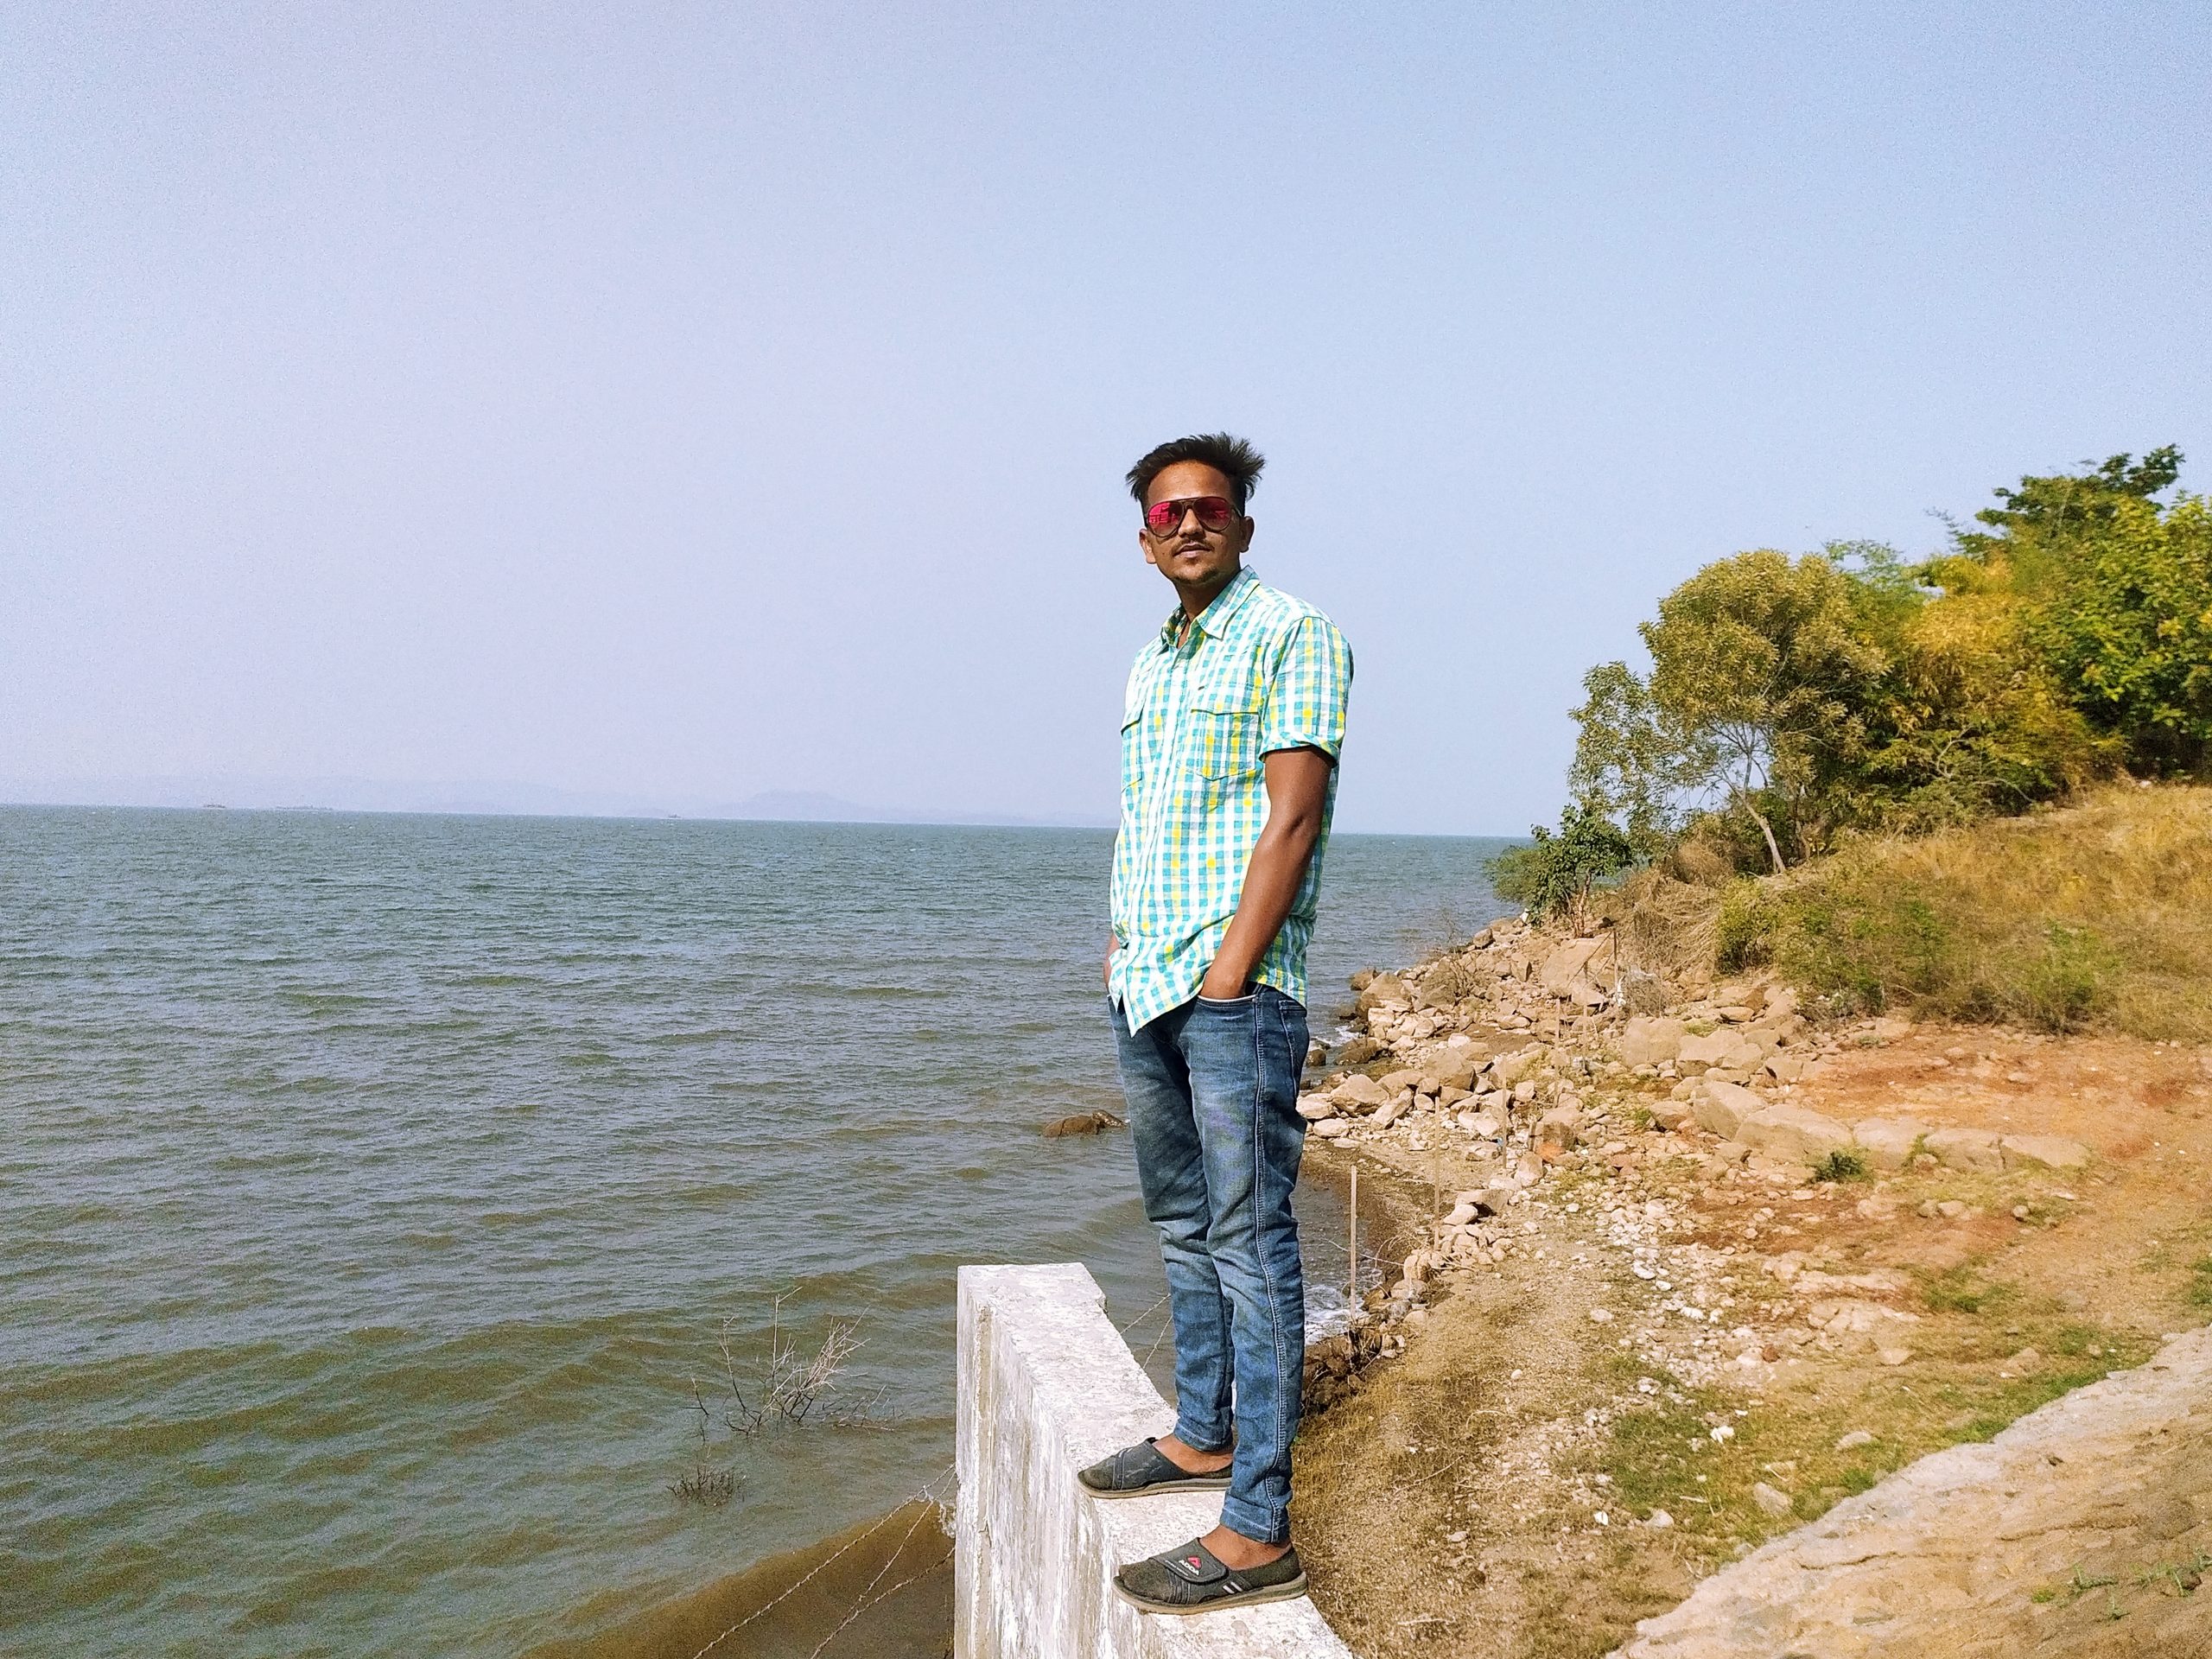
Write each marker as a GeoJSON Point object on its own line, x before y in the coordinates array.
{"type": "Point", "coordinates": [1162, 518]}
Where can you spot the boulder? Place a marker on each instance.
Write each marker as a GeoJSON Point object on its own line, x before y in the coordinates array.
{"type": "Point", "coordinates": [1888, 1142]}
{"type": "Point", "coordinates": [1562, 1126]}
{"type": "Point", "coordinates": [1451, 1068]}
{"type": "Point", "coordinates": [1786, 1131]}
{"type": "Point", "coordinates": [1509, 1069]}
{"type": "Point", "coordinates": [1649, 1042]}
{"type": "Point", "coordinates": [1360, 1092]}
{"type": "Point", "coordinates": [1359, 1051]}
{"type": "Point", "coordinates": [1386, 988]}
{"type": "Point", "coordinates": [1566, 963]}
{"type": "Point", "coordinates": [2051, 1151]}
{"type": "Point", "coordinates": [1709, 1050]}
{"type": "Point", "coordinates": [1394, 1082]}
{"type": "Point", "coordinates": [1329, 1129]}
{"type": "Point", "coordinates": [1670, 1114]}
{"type": "Point", "coordinates": [1722, 1107]}
{"type": "Point", "coordinates": [1314, 1107]}
{"type": "Point", "coordinates": [1979, 1151]}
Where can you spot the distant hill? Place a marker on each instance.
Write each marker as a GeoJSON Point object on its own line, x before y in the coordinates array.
{"type": "Point", "coordinates": [494, 799]}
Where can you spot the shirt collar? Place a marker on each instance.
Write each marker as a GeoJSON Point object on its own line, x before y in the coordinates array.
{"type": "Point", "coordinates": [1213, 621]}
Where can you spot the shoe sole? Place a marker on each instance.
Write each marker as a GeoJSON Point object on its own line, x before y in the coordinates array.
{"type": "Point", "coordinates": [1196, 1484]}
{"type": "Point", "coordinates": [1289, 1590]}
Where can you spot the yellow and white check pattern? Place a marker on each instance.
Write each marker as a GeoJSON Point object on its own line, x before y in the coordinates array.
{"type": "Point", "coordinates": [1258, 672]}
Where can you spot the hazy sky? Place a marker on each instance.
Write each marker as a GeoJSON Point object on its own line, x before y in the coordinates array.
{"type": "Point", "coordinates": [704, 400]}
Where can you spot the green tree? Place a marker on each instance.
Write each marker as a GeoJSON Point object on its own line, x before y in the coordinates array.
{"type": "Point", "coordinates": [2113, 593]}
{"type": "Point", "coordinates": [1553, 875]}
{"type": "Point", "coordinates": [1761, 668]}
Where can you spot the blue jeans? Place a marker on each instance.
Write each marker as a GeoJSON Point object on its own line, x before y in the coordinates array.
{"type": "Point", "coordinates": [1212, 1089]}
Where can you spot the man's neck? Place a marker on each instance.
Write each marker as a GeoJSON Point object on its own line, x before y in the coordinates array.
{"type": "Point", "coordinates": [1196, 599]}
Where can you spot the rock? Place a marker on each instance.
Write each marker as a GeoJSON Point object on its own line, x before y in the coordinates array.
{"type": "Point", "coordinates": [1587, 996]}
{"type": "Point", "coordinates": [1736, 1014]}
{"type": "Point", "coordinates": [1564, 965]}
{"type": "Point", "coordinates": [1670, 1114]}
{"type": "Point", "coordinates": [1890, 1028]}
{"type": "Point", "coordinates": [1770, 1501]}
{"type": "Point", "coordinates": [1978, 1151]}
{"type": "Point", "coordinates": [1784, 1068]}
{"type": "Point", "coordinates": [1452, 1068]}
{"type": "Point", "coordinates": [1781, 1003]}
{"type": "Point", "coordinates": [1601, 1316]}
{"type": "Point", "coordinates": [1561, 1125]}
{"type": "Point", "coordinates": [1314, 1107]}
{"type": "Point", "coordinates": [1659, 1520]}
{"type": "Point", "coordinates": [1786, 1131]}
{"type": "Point", "coordinates": [1386, 988]}
{"type": "Point", "coordinates": [1359, 1051]}
{"type": "Point", "coordinates": [1705, 1051]}
{"type": "Point", "coordinates": [1887, 1142]}
{"type": "Point", "coordinates": [1360, 1092]}
{"type": "Point", "coordinates": [1508, 1069]}
{"type": "Point", "coordinates": [1330, 1129]}
{"type": "Point", "coordinates": [1892, 1354]}
{"type": "Point", "coordinates": [1394, 1082]}
{"type": "Point", "coordinates": [1389, 1112]}
{"type": "Point", "coordinates": [1852, 1441]}
{"type": "Point", "coordinates": [2051, 1151]}
{"type": "Point", "coordinates": [1722, 1106]}
{"type": "Point", "coordinates": [1732, 1151]}
{"type": "Point", "coordinates": [1649, 1042]}
{"type": "Point", "coordinates": [1083, 1123]}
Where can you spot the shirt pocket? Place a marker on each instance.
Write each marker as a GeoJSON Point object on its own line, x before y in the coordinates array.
{"type": "Point", "coordinates": [1133, 756]}
{"type": "Point", "coordinates": [1224, 739]}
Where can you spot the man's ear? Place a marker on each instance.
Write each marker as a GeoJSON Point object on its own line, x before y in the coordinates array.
{"type": "Point", "coordinates": [1249, 524]}
{"type": "Point", "coordinates": [1144, 543]}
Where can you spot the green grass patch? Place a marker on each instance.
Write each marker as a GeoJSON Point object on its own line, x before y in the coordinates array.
{"type": "Point", "coordinates": [2200, 1282]}
{"type": "Point", "coordinates": [1842, 1165]}
{"type": "Point", "coordinates": [1961, 1290]}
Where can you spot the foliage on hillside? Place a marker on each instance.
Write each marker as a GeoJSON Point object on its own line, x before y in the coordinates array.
{"type": "Point", "coordinates": [2097, 915]}
{"type": "Point", "coordinates": [1793, 701]}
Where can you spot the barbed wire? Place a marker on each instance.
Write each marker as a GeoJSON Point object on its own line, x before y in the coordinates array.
{"type": "Point", "coordinates": [924, 1494]}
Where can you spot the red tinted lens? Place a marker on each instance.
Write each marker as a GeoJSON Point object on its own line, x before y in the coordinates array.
{"type": "Point", "coordinates": [1214, 513]}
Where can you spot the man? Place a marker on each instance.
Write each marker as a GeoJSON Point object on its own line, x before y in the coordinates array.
{"type": "Point", "coordinates": [1230, 737]}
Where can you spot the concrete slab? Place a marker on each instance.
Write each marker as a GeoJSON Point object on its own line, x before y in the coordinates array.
{"type": "Point", "coordinates": [1047, 1386]}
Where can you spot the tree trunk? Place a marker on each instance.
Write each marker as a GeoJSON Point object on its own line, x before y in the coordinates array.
{"type": "Point", "coordinates": [1773, 851]}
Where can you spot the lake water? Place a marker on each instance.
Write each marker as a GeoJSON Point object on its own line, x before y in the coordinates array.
{"type": "Point", "coordinates": [372, 1187]}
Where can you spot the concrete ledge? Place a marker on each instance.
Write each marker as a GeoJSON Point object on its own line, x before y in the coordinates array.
{"type": "Point", "coordinates": [1046, 1386]}
{"type": "Point", "coordinates": [1946, 1559]}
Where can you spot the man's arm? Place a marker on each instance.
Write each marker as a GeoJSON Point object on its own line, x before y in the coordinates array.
{"type": "Point", "coordinates": [1298, 790]}
{"type": "Point", "coordinates": [1113, 943]}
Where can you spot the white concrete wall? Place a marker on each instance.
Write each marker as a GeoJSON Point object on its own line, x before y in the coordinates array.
{"type": "Point", "coordinates": [1047, 1386]}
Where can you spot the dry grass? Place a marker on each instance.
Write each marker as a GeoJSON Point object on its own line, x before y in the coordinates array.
{"type": "Point", "coordinates": [2097, 916]}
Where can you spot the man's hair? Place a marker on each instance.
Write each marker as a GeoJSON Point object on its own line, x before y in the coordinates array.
{"type": "Point", "coordinates": [1233, 458]}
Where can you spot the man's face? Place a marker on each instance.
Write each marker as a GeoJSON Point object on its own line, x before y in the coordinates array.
{"type": "Point", "coordinates": [1187, 553]}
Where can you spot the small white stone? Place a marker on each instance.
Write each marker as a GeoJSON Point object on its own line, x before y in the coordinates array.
{"type": "Point", "coordinates": [1852, 1441]}
{"type": "Point", "coordinates": [1602, 1519]}
{"type": "Point", "coordinates": [1723, 1431]}
{"type": "Point", "coordinates": [1660, 1519]}
{"type": "Point", "coordinates": [1602, 1315]}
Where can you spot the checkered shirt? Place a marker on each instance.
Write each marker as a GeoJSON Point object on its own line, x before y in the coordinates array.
{"type": "Point", "coordinates": [1258, 672]}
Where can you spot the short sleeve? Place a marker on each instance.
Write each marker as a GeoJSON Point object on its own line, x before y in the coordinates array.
{"type": "Point", "coordinates": [1306, 694]}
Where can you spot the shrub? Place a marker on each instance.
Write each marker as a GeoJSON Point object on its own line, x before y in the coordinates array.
{"type": "Point", "coordinates": [2094, 915]}
{"type": "Point", "coordinates": [1553, 873]}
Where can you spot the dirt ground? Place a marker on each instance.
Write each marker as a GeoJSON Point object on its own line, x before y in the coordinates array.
{"type": "Point", "coordinates": [1678, 1357]}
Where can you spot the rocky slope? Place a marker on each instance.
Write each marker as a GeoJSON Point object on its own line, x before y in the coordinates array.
{"type": "Point", "coordinates": [1696, 1268]}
